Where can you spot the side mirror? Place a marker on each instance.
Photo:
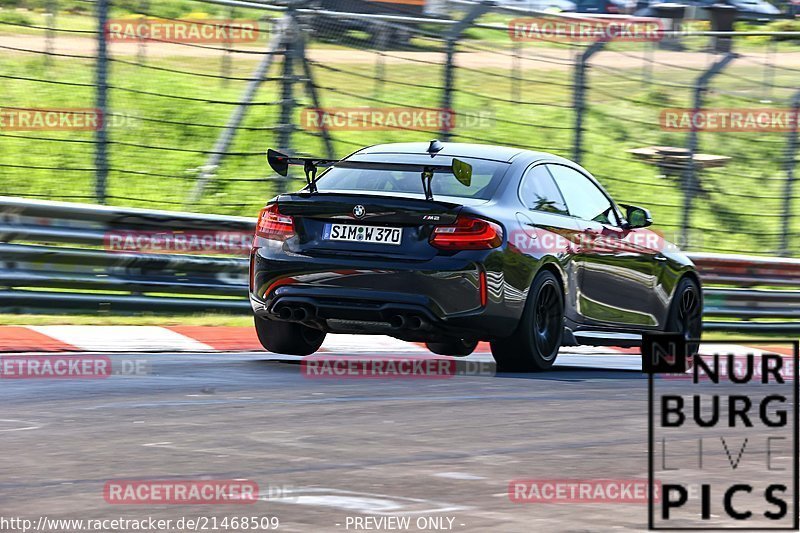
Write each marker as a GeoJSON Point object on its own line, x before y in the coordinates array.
{"type": "Point", "coordinates": [637, 217]}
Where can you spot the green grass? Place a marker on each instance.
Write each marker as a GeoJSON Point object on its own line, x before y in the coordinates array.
{"type": "Point", "coordinates": [156, 156]}
{"type": "Point", "coordinates": [111, 320]}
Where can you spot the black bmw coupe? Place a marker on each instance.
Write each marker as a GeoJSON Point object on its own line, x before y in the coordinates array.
{"type": "Point", "coordinates": [451, 244]}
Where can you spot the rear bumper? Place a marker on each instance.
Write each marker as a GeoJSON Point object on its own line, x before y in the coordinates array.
{"type": "Point", "coordinates": [409, 300]}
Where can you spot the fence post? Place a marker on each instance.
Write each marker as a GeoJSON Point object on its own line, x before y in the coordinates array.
{"type": "Point", "coordinates": [516, 71]}
{"type": "Point", "coordinates": [380, 60]}
{"type": "Point", "coordinates": [285, 125]}
{"type": "Point", "coordinates": [451, 37]}
{"type": "Point", "coordinates": [225, 63]}
{"type": "Point", "coordinates": [101, 103]}
{"type": "Point", "coordinates": [769, 68]}
{"type": "Point", "coordinates": [311, 89]}
{"type": "Point", "coordinates": [689, 184]}
{"type": "Point", "coordinates": [579, 96]}
{"type": "Point", "coordinates": [647, 62]}
{"type": "Point", "coordinates": [226, 137]}
{"type": "Point", "coordinates": [141, 49]}
{"type": "Point", "coordinates": [791, 154]}
{"type": "Point", "coordinates": [50, 32]}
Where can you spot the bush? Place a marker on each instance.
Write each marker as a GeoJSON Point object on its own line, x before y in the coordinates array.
{"type": "Point", "coordinates": [15, 17]}
{"type": "Point", "coordinates": [784, 25]}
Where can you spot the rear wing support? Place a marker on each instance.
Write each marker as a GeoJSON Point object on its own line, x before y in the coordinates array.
{"type": "Point", "coordinates": [280, 164]}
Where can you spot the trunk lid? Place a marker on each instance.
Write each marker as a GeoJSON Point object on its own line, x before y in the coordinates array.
{"type": "Point", "coordinates": [374, 215]}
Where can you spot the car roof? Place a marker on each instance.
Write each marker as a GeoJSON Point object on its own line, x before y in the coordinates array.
{"type": "Point", "coordinates": [479, 151]}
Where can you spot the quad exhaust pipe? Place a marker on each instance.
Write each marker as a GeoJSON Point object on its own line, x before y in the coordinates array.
{"type": "Point", "coordinates": [294, 313]}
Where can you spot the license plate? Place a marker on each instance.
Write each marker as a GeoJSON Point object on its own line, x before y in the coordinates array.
{"type": "Point", "coordinates": [368, 234]}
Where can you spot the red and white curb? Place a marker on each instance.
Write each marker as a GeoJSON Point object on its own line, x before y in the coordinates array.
{"type": "Point", "coordinates": [127, 339]}
{"type": "Point", "coordinates": [228, 338]}
{"type": "Point", "coordinates": [193, 339]}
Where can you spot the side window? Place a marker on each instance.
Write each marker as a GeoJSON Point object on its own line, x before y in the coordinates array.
{"type": "Point", "coordinates": [538, 191]}
{"type": "Point", "coordinates": [584, 199]}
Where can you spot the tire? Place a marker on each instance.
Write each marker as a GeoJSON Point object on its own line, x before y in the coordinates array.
{"type": "Point", "coordinates": [686, 314]}
{"type": "Point", "coordinates": [454, 347]}
{"type": "Point", "coordinates": [534, 346]}
{"type": "Point", "coordinates": [288, 338]}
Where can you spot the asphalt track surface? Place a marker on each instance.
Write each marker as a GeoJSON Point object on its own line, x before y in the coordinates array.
{"type": "Point", "coordinates": [325, 451]}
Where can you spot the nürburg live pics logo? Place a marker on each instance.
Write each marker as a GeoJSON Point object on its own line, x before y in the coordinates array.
{"type": "Point", "coordinates": [723, 434]}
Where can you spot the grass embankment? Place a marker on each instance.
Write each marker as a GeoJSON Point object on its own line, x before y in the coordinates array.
{"type": "Point", "coordinates": [166, 123]}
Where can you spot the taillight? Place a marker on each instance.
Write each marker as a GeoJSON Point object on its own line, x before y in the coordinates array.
{"type": "Point", "coordinates": [467, 233]}
{"type": "Point", "coordinates": [273, 225]}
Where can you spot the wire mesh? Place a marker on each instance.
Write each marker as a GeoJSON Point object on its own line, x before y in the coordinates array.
{"type": "Point", "coordinates": [173, 101]}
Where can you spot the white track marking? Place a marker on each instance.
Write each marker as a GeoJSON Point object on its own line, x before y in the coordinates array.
{"type": "Point", "coordinates": [458, 475]}
{"type": "Point", "coordinates": [735, 349]}
{"type": "Point", "coordinates": [343, 344]}
{"type": "Point", "coordinates": [14, 421]}
{"type": "Point", "coordinates": [122, 338]}
{"type": "Point", "coordinates": [364, 502]}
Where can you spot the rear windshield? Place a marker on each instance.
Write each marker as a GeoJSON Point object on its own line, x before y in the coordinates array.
{"type": "Point", "coordinates": [485, 177]}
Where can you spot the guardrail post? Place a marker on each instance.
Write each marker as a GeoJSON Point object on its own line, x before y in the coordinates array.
{"type": "Point", "coordinates": [451, 38]}
{"type": "Point", "coordinates": [689, 184]}
{"type": "Point", "coordinates": [579, 96]}
{"type": "Point", "coordinates": [791, 155]}
{"type": "Point", "coordinates": [101, 103]}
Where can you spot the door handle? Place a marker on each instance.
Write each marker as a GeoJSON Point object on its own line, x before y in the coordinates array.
{"type": "Point", "coordinates": [661, 258]}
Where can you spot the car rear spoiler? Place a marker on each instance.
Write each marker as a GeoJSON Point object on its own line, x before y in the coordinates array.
{"type": "Point", "coordinates": [280, 164]}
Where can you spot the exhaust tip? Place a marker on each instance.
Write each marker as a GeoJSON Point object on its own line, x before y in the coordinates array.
{"type": "Point", "coordinates": [415, 322]}
{"type": "Point", "coordinates": [299, 314]}
{"type": "Point", "coordinates": [284, 312]}
{"type": "Point", "coordinates": [397, 321]}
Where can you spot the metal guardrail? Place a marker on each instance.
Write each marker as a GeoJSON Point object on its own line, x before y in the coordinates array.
{"type": "Point", "coordinates": [61, 257]}
{"type": "Point", "coordinates": [761, 293]}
